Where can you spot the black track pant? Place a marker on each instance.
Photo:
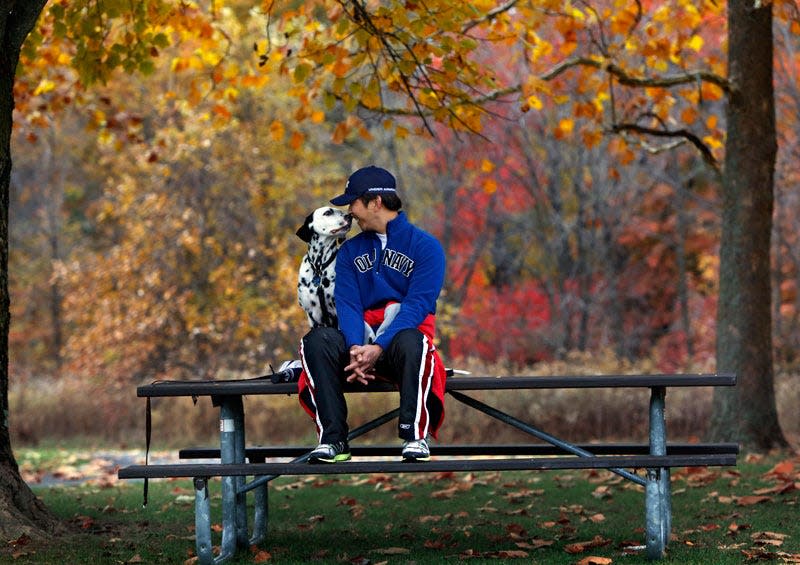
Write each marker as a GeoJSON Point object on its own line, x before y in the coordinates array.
{"type": "Point", "coordinates": [407, 361]}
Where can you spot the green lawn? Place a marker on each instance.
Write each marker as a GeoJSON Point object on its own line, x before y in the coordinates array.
{"type": "Point", "coordinates": [720, 516]}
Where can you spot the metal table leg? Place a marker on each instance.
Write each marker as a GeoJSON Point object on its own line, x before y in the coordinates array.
{"type": "Point", "coordinates": [231, 451]}
{"type": "Point", "coordinates": [242, 536]}
{"type": "Point", "coordinates": [261, 511]}
{"type": "Point", "coordinates": [202, 522]}
{"type": "Point", "coordinates": [658, 511]}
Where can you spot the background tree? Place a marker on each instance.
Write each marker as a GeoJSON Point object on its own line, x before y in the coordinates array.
{"type": "Point", "coordinates": [20, 510]}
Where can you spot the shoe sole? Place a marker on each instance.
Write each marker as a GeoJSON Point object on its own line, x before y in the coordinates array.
{"type": "Point", "coordinates": [413, 458]}
{"type": "Point", "coordinates": [336, 459]}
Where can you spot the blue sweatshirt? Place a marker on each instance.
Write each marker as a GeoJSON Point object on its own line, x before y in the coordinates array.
{"type": "Point", "coordinates": [410, 270]}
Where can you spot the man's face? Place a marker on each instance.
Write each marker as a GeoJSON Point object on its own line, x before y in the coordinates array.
{"type": "Point", "coordinates": [364, 215]}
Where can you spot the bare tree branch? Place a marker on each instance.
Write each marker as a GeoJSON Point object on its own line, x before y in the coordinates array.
{"type": "Point", "coordinates": [626, 79]}
{"type": "Point", "coordinates": [683, 133]}
{"type": "Point", "coordinates": [490, 15]}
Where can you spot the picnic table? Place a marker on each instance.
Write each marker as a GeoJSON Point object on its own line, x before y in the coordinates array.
{"type": "Point", "coordinates": [233, 461]}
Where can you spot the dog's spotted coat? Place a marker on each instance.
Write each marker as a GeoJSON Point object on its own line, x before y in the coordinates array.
{"type": "Point", "coordinates": [324, 230]}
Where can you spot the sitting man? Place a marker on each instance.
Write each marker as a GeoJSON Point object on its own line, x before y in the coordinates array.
{"type": "Point", "coordinates": [393, 264]}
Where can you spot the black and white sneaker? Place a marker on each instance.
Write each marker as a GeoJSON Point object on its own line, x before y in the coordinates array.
{"type": "Point", "coordinates": [330, 453]}
{"type": "Point", "coordinates": [416, 450]}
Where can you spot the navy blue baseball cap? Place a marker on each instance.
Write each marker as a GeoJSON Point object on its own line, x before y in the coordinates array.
{"type": "Point", "coordinates": [369, 179]}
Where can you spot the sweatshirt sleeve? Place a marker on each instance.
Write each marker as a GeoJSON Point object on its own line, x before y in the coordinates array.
{"type": "Point", "coordinates": [426, 283]}
{"type": "Point", "coordinates": [349, 309]}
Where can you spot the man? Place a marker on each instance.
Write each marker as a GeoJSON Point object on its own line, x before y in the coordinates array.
{"type": "Point", "coordinates": [388, 279]}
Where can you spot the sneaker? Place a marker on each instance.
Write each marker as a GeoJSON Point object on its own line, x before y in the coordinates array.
{"type": "Point", "coordinates": [416, 450]}
{"type": "Point", "coordinates": [330, 453]}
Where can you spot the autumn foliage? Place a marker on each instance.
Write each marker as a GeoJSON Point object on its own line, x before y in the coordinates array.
{"type": "Point", "coordinates": [153, 218]}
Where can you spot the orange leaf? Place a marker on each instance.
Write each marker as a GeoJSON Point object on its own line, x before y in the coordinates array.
{"type": "Point", "coordinates": [751, 500]}
{"type": "Point", "coordinates": [782, 468]}
{"type": "Point", "coordinates": [297, 140]}
{"type": "Point", "coordinates": [580, 547]}
{"type": "Point", "coordinates": [594, 560]}
{"type": "Point", "coordinates": [262, 557]}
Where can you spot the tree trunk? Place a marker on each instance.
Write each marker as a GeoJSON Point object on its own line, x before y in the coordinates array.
{"type": "Point", "coordinates": [747, 413]}
{"type": "Point", "coordinates": [20, 511]}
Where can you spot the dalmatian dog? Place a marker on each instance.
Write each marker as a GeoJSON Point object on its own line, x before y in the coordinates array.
{"type": "Point", "coordinates": [325, 229]}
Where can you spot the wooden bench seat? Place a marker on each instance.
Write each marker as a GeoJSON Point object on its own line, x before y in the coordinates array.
{"type": "Point", "coordinates": [434, 466]}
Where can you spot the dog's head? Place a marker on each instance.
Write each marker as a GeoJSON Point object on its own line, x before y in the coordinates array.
{"type": "Point", "coordinates": [325, 222]}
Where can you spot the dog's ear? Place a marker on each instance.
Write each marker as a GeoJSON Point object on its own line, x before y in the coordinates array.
{"type": "Point", "coordinates": [305, 232]}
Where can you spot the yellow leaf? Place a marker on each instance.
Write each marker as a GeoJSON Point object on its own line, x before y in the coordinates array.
{"type": "Point", "coordinates": [489, 186]}
{"type": "Point", "coordinates": [370, 99]}
{"type": "Point", "coordinates": [565, 126]}
{"type": "Point", "coordinates": [318, 116]}
{"type": "Point", "coordinates": [534, 102]}
{"type": "Point", "coordinates": [712, 142]}
{"type": "Point", "coordinates": [660, 65]}
{"type": "Point", "coordinates": [255, 81]}
{"type": "Point", "coordinates": [44, 87]}
{"type": "Point", "coordinates": [487, 166]}
{"type": "Point", "coordinates": [695, 43]}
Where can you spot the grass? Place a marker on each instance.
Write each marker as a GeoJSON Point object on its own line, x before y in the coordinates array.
{"type": "Point", "coordinates": [720, 516]}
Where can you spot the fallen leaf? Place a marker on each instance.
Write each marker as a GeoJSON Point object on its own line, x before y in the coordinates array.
{"type": "Point", "coordinates": [24, 539]}
{"type": "Point", "coordinates": [602, 491]}
{"type": "Point", "coordinates": [445, 493]}
{"type": "Point", "coordinates": [756, 536]}
{"type": "Point", "coordinates": [512, 554]}
{"type": "Point", "coordinates": [594, 561]}
{"type": "Point", "coordinates": [262, 556]}
{"type": "Point", "coordinates": [392, 551]}
{"type": "Point", "coordinates": [780, 488]}
{"type": "Point", "coordinates": [430, 544]}
{"type": "Point", "coordinates": [425, 519]}
{"type": "Point", "coordinates": [597, 518]}
{"type": "Point", "coordinates": [751, 500]}
{"type": "Point", "coordinates": [781, 469]}
{"type": "Point", "coordinates": [535, 544]}
{"type": "Point", "coordinates": [580, 547]}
